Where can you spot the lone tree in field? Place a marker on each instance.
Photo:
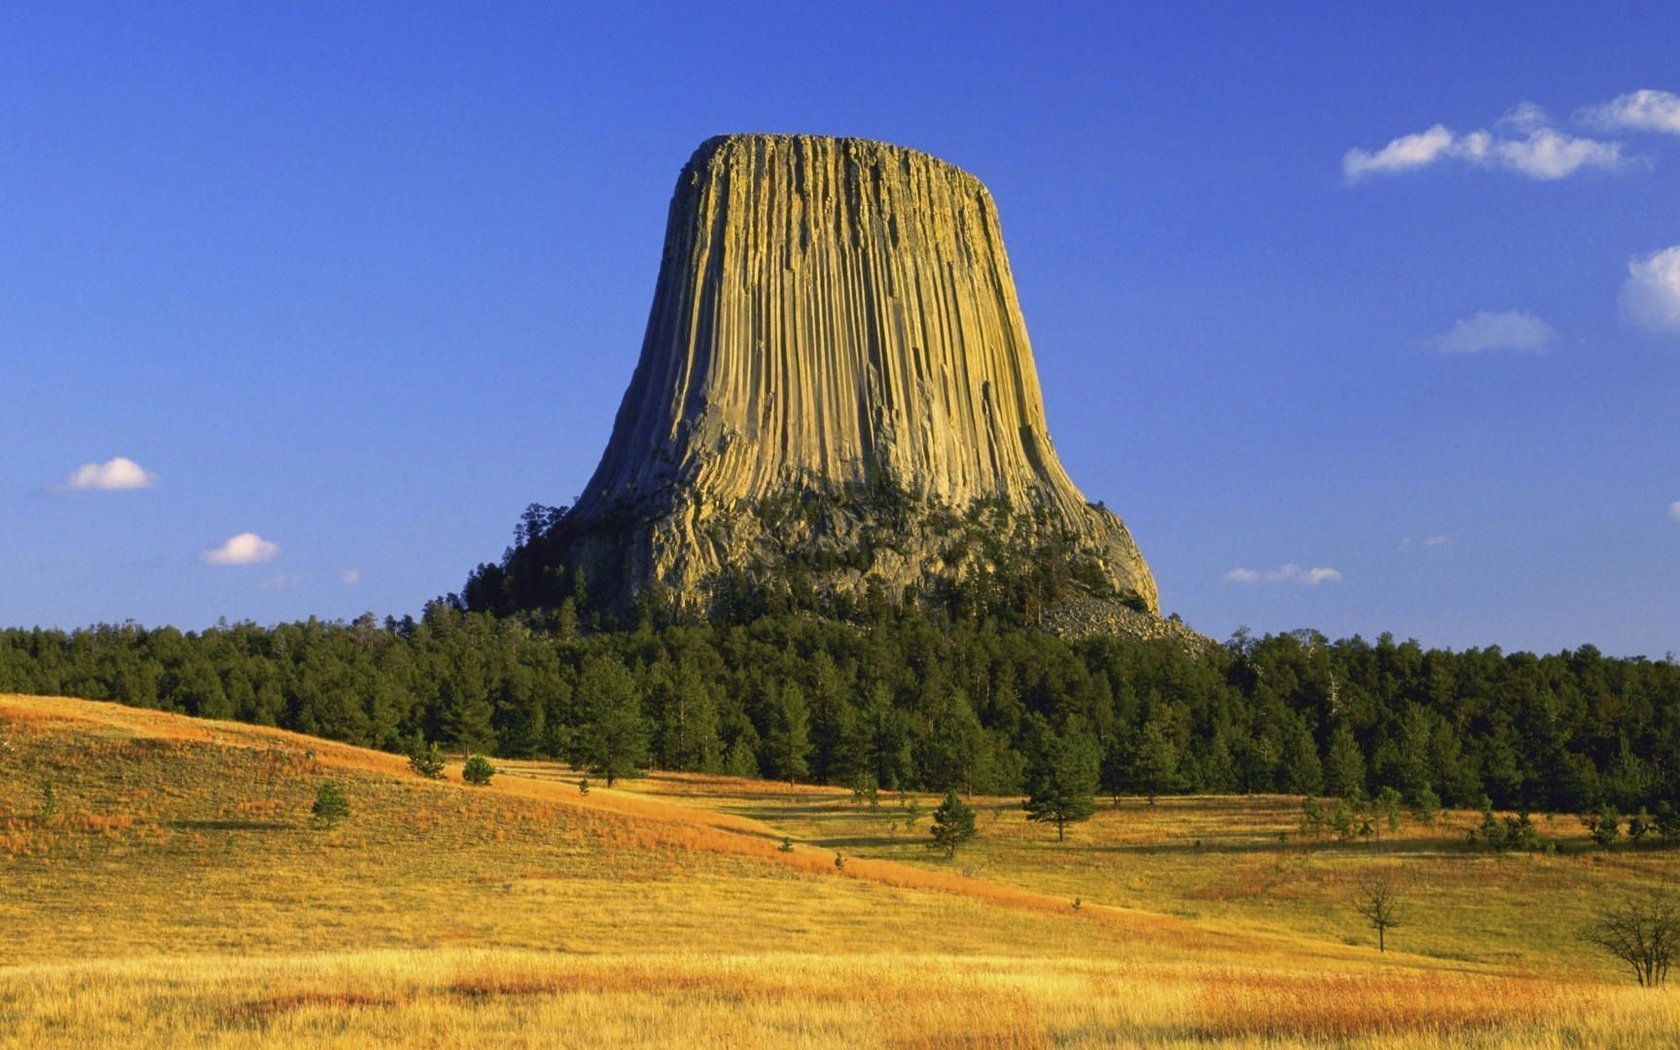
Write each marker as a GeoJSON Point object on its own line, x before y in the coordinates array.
{"type": "Point", "coordinates": [330, 804]}
{"type": "Point", "coordinates": [477, 771]}
{"type": "Point", "coordinates": [1642, 933]}
{"type": "Point", "coordinates": [426, 760]}
{"type": "Point", "coordinates": [1379, 900]}
{"type": "Point", "coordinates": [1062, 780]}
{"type": "Point", "coordinates": [953, 824]}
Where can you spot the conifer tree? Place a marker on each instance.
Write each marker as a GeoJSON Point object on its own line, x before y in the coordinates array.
{"type": "Point", "coordinates": [1062, 779]}
{"type": "Point", "coordinates": [612, 736]}
{"type": "Point", "coordinates": [953, 824]}
{"type": "Point", "coordinates": [789, 745]}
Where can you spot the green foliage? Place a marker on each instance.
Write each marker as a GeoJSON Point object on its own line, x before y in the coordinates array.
{"type": "Point", "coordinates": [331, 804]}
{"type": "Point", "coordinates": [49, 800]}
{"type": "Point", "coordinates": [864, 790]}
{"type": "Point", "coordinates": [922, 695]}
{"type": "Point", "coordinates": [1604, 825]}
{"type": "Point", "coordinates": [477, 770]}
{"type": "Point", "coordinates": [1426, 806]}
{"type": "Point", "coordinates": [612, 736]}
{"type": "Point", "coordinates": [953, 824]}
{"type": "Point", "coordinates": [426, 760]}
{"type": "Point", "coordinates": [1667, 820]}
{"type": "Point", "coordinates": [1639, 825]}
{"type": "Point", "coordinates": [911, 806]}
{"type": "Point", "coordinates": [1312, 817]}
{"type": "Point", "coordinates": [1155, 765]}
{"type": "Point", "coordinates": [789, 746]}
{"type": "Point", "coordinates": [1062, 779]}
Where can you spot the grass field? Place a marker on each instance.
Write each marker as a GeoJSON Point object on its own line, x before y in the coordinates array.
{"type": "Point", "coordinates": [175, 891]}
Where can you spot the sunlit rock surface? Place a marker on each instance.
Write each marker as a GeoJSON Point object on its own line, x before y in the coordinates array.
{"type": "Point", "coordinates": [835, 331]}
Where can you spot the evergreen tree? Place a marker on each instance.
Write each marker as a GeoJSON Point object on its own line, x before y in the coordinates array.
{"type": "Point", "coordinates": [331, 804]}
{"type": "Point", "coordinates": [1154, 762]}
{"type": "Point", "coordinates": [612, 736]}
{"type": "Point", "coordinates": [688, 733]}
{"type": "Point", "coordinates": [1062, 778]}
{"type": "Point", "coordinates": [789, 746]}
{"type": "Point", "coordinates": [953, 824]}
{"type": "Point", "coordinates": [1344, 766]}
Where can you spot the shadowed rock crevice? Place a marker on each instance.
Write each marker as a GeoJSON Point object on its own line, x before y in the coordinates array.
{"type": "Point", "coordinates": [834, 319]}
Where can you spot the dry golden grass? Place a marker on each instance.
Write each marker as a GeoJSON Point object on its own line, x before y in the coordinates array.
{"type": "Point", "coordinates": [179, 894]}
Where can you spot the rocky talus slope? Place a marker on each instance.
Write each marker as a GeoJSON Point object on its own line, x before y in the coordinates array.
{"type": "Point", "coordinates": [836, 376]}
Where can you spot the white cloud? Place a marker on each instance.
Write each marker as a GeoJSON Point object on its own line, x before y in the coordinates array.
{"type": "Point", "coordinates": [247, 548]}
{"type": "Point", "coordinates": [1540, 151]}
{"type": "Point", "coordinates": [1504, 330]}
{"type": "Point", "coordinates": [350, 577]}
{"type": "Point", "coordinates": [1643, 110]}
{"type": "Point", "coordinates": [1524, 117]}
{"type": "Point", "coordinates": [1551, 154]}
{"type": "Point", "coordinates": [1651, 295]}
{"type": "Point", "coordinates": [1289, 573]}
{"type": "Point", "coordinates": [1402, 154]}
{"type": "Point", "coordinates": [1674, 511]}
{"type": "Point", "coordinates": [112, 475]}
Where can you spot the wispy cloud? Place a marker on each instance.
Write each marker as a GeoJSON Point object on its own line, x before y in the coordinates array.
{"type": "Point", "coordinates": [1674, 511]}
{"type": "Point", "coordinates": [113, 475]}
{"type": "Point", "coordinates": [350, 577]}
{"type": "Point", "coordinates": [1534, 148]}
{"type": "Point", "coordinates": [281, 582]}
{"type": "Point", "coordinates": [1502, 330]}
{"type": "Point", "coordinates": [247, 548]}
{"type": "Point", "coordinates": [1409, 542]}
{"type": "Point", "coordinates": [1650, 296]}
{"type": "Point", "coordinates": [1290, 573]}
{"type": "Point", "coordinates": [1643, 110]}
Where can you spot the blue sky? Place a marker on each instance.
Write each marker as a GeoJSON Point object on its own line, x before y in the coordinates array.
{"type": "Point", "coordinates": [1360, 318]}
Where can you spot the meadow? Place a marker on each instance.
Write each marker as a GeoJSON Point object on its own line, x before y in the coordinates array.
{"type": "Point", "coordinates": [164, 884]}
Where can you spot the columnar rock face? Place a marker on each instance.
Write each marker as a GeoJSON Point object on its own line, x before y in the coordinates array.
{"type": "Point", "coordinates": [834, 318]}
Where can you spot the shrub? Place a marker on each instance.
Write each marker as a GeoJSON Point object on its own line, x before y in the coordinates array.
{"type": "Point", "coordinates": [331, 805]}
{"type": "Point", "coordinates": [426, 760]}
{"type": "Point", "coordinates": [477, 771]}
{"type": "Point", "coordinates": [1639, 825]}
{"type": "Point", "coordinates": [1668, 820]}
{"type": "Point", "coordinates": [1603, 825]}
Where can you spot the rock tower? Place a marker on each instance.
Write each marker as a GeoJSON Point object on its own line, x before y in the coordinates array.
{"type": "Point", "coordinates": [836, 381]}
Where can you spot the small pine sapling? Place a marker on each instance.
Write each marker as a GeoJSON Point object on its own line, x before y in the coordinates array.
{"type": "Point", "coordinates": [331, 804]}
{"type": "Point", "coordinates": [426, 760]}
{"type": "Point", "coordinates": [49, 800]}
{"type": "Point", "coordinates": [477, 771]}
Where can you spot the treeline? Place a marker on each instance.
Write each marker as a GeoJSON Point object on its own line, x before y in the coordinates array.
{"type": "Point", "coordinates": [912, 700]}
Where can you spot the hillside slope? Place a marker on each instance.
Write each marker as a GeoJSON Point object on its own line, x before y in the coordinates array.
{"type": "Point", "coordinates": [164, 884]}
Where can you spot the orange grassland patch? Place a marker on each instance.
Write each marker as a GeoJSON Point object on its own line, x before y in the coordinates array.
{"type": "Point", "coordinates": [655, 822]}
{"type": "Point", "coordinates": [1345, 1006]}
